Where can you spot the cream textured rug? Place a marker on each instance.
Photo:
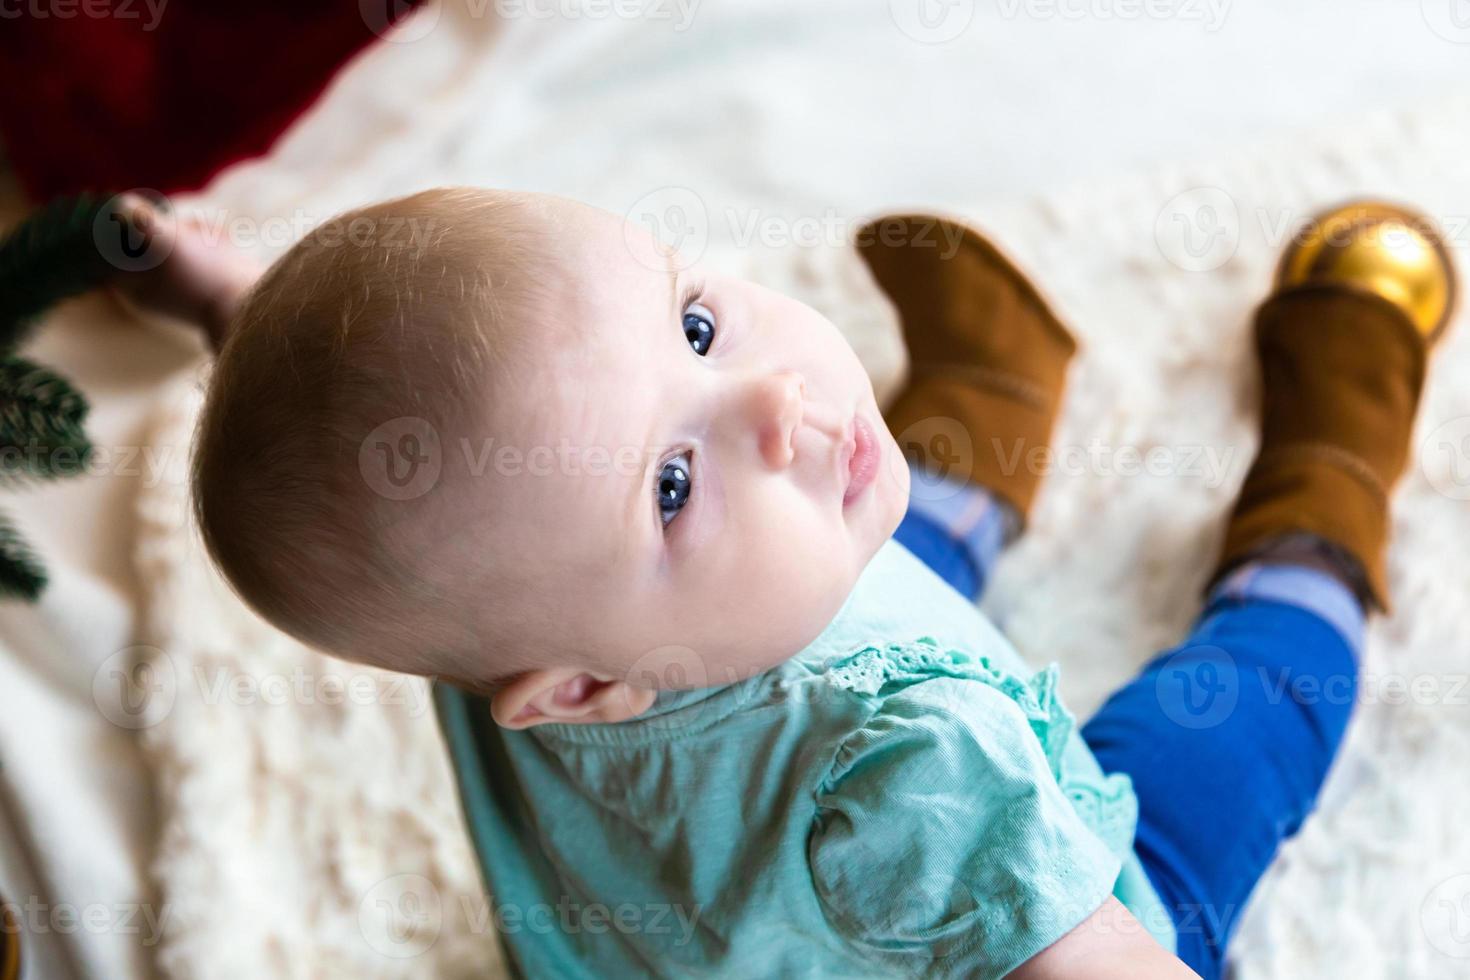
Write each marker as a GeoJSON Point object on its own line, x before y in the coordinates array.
{"type": "Point", "coordinates": [309, 825]}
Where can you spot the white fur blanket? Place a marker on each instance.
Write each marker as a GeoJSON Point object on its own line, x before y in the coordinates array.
{"type": "Point", "coordinates": [309, 825]}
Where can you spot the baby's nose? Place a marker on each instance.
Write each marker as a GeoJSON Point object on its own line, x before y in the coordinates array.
{"type": "Point", "coordinates": [774, 404]}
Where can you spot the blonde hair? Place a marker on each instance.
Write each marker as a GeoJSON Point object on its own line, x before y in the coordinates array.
{"type": "Point", "coordinates": [394, 311]}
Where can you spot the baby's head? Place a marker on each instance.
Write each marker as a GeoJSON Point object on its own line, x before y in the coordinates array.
{"type": "Point", "coordinates": [506, 440]}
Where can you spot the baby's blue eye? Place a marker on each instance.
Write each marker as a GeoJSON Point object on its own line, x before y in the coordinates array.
{"type": "Point", "coordinates": [674, 483]}
{"type": "Point", "coordinates": [699, 328]}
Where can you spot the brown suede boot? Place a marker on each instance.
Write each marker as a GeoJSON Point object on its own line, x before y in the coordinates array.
{"type": "Point", "coordinates": [9, 943]}
{"type": "Point", "coordinates": [1343, 343]}
{"type": "Point", "coordinates": [988, 359]}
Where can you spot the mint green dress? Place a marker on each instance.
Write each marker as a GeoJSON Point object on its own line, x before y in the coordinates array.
{"type": "Point", "coordinates": [901, 798]}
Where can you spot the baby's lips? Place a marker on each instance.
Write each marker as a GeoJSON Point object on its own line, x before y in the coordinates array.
{"type": "Point", "coordinates": [864, 460]}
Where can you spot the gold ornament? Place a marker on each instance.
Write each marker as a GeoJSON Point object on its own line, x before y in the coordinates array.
{"type": "Point", "coordinates": [1382, 248]}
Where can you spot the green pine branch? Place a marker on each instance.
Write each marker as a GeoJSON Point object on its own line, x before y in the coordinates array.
{"type": "Point", "coordinates": [41, 419]}
{"type": "Point", "coordinates": [51, 255]}
{"type": "Point", "coordinates": [60, 251]}
{"type": "Point", "coordinates": [21, 575]}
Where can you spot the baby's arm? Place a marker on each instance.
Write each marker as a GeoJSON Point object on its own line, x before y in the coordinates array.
{"type": "Point", "coordinates": [202, 278]}
{"type": "Point", "coordinates": [943, 835]}
{"type": "Point", "coordinates": [1109, 945]}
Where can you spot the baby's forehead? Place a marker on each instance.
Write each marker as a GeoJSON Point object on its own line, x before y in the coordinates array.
{"type": "Point", "coordinates": [556, 480]}
{"type": "Point", "coordinates": [597, 317]}
{"type": "Point", "coordinates": [567, 412]}
{"type": "Point", "coordinates": [588, 400]}
{"type": "Point", "coordinates": [571, 431]}
{"type": "Point", "coordinates": [608, 276]}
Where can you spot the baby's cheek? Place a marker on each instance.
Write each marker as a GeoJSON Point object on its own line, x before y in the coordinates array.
{"type": "Point", "coordinates": [785, 569]}
{"type": "Point", "coordinates": [805, 589]}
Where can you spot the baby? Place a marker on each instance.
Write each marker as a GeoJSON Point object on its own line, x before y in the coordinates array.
{"type": "Point", "coordinates": [708, 715]}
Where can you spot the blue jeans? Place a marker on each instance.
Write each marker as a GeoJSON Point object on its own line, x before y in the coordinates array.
{"type": "Point", "coordinates": [1227, 737]}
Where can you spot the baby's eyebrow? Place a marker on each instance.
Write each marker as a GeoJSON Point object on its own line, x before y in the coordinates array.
{"type": "Point", "coordinates": [674, 288]}
{"type": "Point", "coordinates": [641, 495]}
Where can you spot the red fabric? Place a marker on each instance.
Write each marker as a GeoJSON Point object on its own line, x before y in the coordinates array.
{"type": "Point", "coordinates": [164, 100]}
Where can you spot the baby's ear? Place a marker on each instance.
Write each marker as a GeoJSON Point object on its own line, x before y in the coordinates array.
{"type": "Point", "coordinates": [568, 696]}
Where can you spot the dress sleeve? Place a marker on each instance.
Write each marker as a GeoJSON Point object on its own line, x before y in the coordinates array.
{"type": "Point", "coordinates": [943, 844]}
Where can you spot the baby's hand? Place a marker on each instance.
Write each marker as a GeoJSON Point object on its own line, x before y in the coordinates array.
{"type": "Point", "coordinates": [200, 279]}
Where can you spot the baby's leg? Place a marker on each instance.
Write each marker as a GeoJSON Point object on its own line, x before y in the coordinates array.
{"type": "Point", "coordinates": [1228, 737]}
{"type": "Point", "coordinates": [959, 534]}
{"type": "Point", "coordinates": [988, 362]}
